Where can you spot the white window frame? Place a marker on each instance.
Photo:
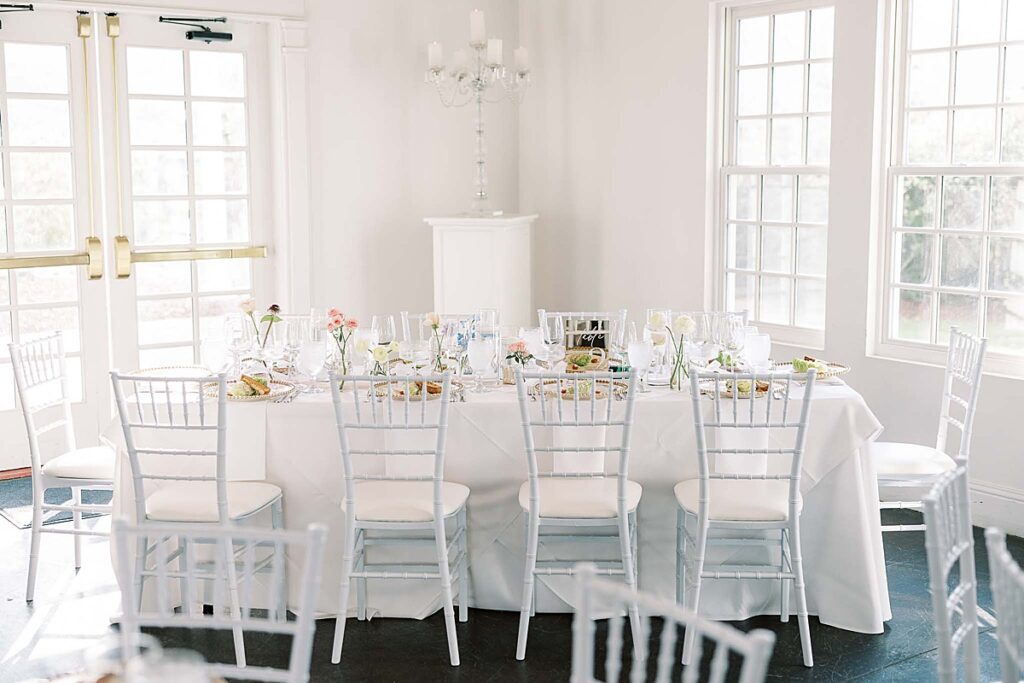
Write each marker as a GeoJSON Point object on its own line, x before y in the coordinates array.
{"type": "Point", "coordinates": [891, 167]}
{"type": "Point", "coordinates": [728, 16]}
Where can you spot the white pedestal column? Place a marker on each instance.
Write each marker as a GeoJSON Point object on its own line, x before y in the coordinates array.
{"type": "Point", "coordinates": [484, 262]}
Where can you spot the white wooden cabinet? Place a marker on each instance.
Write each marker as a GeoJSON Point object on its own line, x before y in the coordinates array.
{"type": "Point", "coordinates": [484, 262]}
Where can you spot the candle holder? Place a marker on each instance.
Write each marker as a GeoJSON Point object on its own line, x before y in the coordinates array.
{"type": "Point", "coordinates": [475, 79]}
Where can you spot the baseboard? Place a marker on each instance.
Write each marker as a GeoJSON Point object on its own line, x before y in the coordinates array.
{"type": "Point", "coordinates": [997, 505]}
{"type": "Point", "coordinates": [17, 473]}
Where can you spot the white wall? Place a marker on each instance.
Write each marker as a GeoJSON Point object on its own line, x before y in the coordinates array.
{"type": "Point", "coordinates": [613, 156]}
{"type": "Point", "coordinates": [385, 152]}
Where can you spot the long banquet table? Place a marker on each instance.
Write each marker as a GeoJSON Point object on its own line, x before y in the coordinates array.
{"type": "Point", "coordinates": [294, 445]}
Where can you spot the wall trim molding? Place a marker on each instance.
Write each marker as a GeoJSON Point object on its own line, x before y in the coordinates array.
{"type": "Point", "coordinates": [997, 505]}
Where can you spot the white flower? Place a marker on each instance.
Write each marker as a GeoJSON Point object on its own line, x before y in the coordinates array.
{"type": "Point", "coordinates": [684, 326]}
{"type": "Point", "coordinates": [432, 320]}
{"type": "Point", "coordinates": [656, 319]}
{"type": "Point", "coordinates": [380, 353]}
{"type": "Point", "coordinates": [362, 345]}
{"type": "Point", "coordinates": [248, 306]}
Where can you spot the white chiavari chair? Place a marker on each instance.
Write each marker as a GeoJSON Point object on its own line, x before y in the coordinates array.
{"type": "Point", "coordinates": [587, 419]}
{"type": "Point", "coordinates": [949, 541]}
{"type": "Point", "coordinates": [721, 504]}
{"type": "Point", "coordinates": [406, 500]}
{"type": "Point", "coordinates": [41, 378]}
{"type": "Point", "coordinates": [726, 644]}
{"type": "Point", "coordinates": [413, 328]}
{"type": "Point", "coordinates": [906, 471]}
{"type": "Point", "coordinates": [177, 450]}
{"type": "Point", "coordinates": [584, 329]}
{"type": "Point", "coordinates": [1008, 596]}
{"type": "Point", "coordinates": [273, 549]}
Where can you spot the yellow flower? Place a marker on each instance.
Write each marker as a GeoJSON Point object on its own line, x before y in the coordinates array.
{"type": "Point", "coordinates": [380, 353]}
{"type": "Point", "coordinates": [393, 347]}
{"type": "Point", "coordinates": [362, 345]}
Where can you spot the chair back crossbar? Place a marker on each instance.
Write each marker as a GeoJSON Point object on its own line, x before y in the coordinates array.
{"type": "Point", "coordinates": [949, 542]}
{"type": "Point", "coordinates": [734, 655]}
{"type": "Point", "coordinates": [252, 550]}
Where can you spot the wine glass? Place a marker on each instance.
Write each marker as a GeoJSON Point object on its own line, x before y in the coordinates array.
{"type": "Point", "coordinates": [481, 355]}
{"type": "Point", "coordinates": [312, 354]}
{"type": "Point", "coordinates": [238, 338]}
{"type": "Point", "coordinates": [759, 351]}
{"type": "Point", "coordinates": [641, 353]}
{"type": "Point", "coordinates": [383, 326]}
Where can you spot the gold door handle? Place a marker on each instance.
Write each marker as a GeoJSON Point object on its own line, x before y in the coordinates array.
{"type": "Point", "coordinates": [91, 258]}
{"type": "Point", "coordinates": [124, 257]}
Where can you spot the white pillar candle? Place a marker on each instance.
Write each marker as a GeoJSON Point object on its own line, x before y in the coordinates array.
{"type": "Point", "coordinates": [494, 52]}
{"type": "Point", "coordinates": [435, 55]}
{"type": "Point", "coordinates": [477, 32]}
{"type": "Point", "coordinates": [522, 60]}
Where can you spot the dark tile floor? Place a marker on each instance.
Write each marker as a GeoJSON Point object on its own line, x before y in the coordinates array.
{"type": "Point", "coordinates": [39, 640]}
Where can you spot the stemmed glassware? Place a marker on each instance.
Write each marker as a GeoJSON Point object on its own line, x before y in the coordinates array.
{"type": "Point", "coordinates": [312, 353]}
{"type": "Point", "coordinates": [641, 353]}
{"type": "Point", "coordinates": [481, 357]}
{"type": "Point", "coordinates": [238, 337]}
{"type": "Point", "coordinates": [383, 328]}
{"type": "Point", "coordinates": [554, 341]}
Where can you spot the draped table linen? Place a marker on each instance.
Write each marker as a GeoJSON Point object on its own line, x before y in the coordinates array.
{"type": "Point", "coordinates": [295, 446]}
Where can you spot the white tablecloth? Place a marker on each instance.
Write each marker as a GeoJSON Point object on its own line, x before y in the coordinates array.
{"type": "Point", "coordinates": [294, 445]}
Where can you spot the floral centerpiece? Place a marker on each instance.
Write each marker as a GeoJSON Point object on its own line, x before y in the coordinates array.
{"type": "Point", "coordinates": [515, 352]}
{"type": "Point", "coordinates": [432, 320]}
{"type": "Point", "coordinates": [682, 327]}
{"type": "Point", "coordinates": [267, 320]}
{"type": "Point", "coordinates": [341, 330]}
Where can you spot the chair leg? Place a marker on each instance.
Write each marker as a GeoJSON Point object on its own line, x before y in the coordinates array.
{"type": "Point", "coordinates": [634, 537]}
{"type": "Point", "coordinates": [346, 571]}
{"type": "Point", "coordinates": [532, 531]}
{"type": "Point", "coordinates": [141, 555]}
{"type": "Point", "coordinates": [629, 572]}
{"type": "Point", "coordinates": [235, 605]}
{"type": "Point", "coordinates": [277, 522]}
{"type": "Point", "coordinates": [801, 595]}
{"type": "Point", "coordinates": [76, 517]}
{"type": "Point", "coordinates": [680, 557]}
{"type": "Point", "coordinates": [784, 563]}
{"type": "Point", "coordinates": [446, 585]}
{"type": "Point", "coordinates": [360, 564]}
{"type": "Point", "coordinates": [463, 567]}
{"type": "Point", "coordinates": [33, 553]}
{"type": "Point", "coordinates": [184, 569]}
{"type": "Point", "coordinates": [700, 547]}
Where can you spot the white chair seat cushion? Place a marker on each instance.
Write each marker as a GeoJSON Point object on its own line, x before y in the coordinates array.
{"type": "Point", "coordinates": [406, 501]}
{"type": "Point", "coordinates": [908, 460]}
{"type": "Point", "coordinates": [196, 501]}
{"type": "Point", "coordinates": [738, 500]}
{"type": "Point", "coordinates": [96, 462]}
{"type": "Point", "coordinates": [581, 498]}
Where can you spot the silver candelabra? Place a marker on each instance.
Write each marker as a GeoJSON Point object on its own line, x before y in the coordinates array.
{"type": "Point", "coordinates": [477, 78]}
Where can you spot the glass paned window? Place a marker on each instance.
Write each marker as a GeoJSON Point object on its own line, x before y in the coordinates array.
{"type": "Point", "coordinates": [188, 129]}
{"type": "Point", "coordinates": [956, 175]}
{"type": "Point", "coordinates": [775, 176]}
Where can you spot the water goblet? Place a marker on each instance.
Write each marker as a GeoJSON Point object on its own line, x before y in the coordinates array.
{"type": "Point", "coordinates": [481, 355]}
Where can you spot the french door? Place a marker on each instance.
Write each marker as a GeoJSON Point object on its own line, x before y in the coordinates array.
{"type": "Point", "coordinates": [158, 147]}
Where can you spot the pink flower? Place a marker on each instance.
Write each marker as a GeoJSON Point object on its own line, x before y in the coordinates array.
{"type": "Point", "coordinates": [334, 313]}
{"type": "Point", "coordinates": [247, 306]}
{"type": "Point", "coordinates": [518, 346]}
{"type": "Point", "coordinates": [337, 321]}
{"type": "Point", "coordinates": [331, 325]}
{"type": "Point", "coordinates": [351, 323]}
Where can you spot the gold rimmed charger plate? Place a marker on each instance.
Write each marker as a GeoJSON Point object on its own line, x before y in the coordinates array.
{"type": "Point", "coordinates": [832, 370]}
{"type": "Point", "coordinates": [398, 391]}
{"type": "Point", "coordinates": [726, 388]}
{"type": "Point", "coordinates": [278, 389]}
{"type": "Point", "coordinates": [618, 389]}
